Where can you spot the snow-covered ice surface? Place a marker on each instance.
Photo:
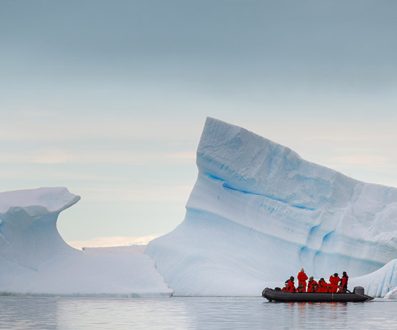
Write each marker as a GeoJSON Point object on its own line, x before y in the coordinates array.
{"type": "Point", "coordinates": [258, 212]}
{"type": "Point", "coordinates": [34, 258]}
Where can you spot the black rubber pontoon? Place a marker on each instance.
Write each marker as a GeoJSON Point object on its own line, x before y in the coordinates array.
{"type": "Point", "coordinates": [281, 296]}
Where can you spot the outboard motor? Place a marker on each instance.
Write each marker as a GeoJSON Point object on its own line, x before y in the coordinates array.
{"type": "Point", "coordinates": [358, 290]}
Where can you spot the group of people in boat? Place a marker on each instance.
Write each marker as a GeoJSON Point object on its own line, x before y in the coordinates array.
{"type": "Point", "coordinates": [336, 284]}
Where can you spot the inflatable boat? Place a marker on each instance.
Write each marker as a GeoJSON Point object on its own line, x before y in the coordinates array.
{"type": "Point", "coordinates": [281, 296]}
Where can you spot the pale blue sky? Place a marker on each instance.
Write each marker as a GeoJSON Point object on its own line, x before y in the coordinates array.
{"type": "Point", "coordinates": [108, 98]}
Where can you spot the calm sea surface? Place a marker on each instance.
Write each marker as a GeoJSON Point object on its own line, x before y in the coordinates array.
{"type": "Point", "coordinates": [190, 313]}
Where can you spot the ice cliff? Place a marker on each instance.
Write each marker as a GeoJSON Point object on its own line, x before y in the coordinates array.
{"type": "Point", "coordinates": [35, 259]}
{"type": "Point", "coordinates": [258, 212]}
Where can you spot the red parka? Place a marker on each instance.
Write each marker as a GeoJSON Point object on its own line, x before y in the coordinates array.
{"type": "Point", "coordinates": [312, 286]}
{"type": "Point", "coordinates": [343, 283]}
{"type": "Point", "coordinates": [334, 282]}
{"type": "Point", "coordinates": [322, 286]}
{"type": "Point", "coordinates": [302, 278]}
{"type": "Point", "coordinates": [290, 287]}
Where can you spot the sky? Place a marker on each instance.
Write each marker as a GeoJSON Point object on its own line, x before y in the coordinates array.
{"type": "Point", "coordinates": [108, 98]}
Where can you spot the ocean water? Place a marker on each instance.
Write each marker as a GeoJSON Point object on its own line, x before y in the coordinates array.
{"type": "Point", "coordinates": [33, 312]}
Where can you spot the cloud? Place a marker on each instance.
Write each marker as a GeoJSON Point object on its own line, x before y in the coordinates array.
{"type": "Point", "coordinates": [49, 157]}
{"type": "Point", "coordinates": [371, 161]}
{"type": "Point", "coordinates": [104, 156]}
{"type": "Point", "coordinates": [72, 126]}
{"type": "Point", "coordinates": [184, 155]}
{"type": "Point", "coordinates": [143, 193]}
{"type": "Point", "coordinates": [112, 241]}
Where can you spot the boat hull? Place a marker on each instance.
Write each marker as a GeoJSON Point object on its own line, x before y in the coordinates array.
{"type": "Point", "coordinates": [282, 296]}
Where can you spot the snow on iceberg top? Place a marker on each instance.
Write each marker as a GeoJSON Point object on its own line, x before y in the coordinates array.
{"type": "Point", "coordinates": [52, 199]}
{"type": "Point", "coordinates": [252, 164]}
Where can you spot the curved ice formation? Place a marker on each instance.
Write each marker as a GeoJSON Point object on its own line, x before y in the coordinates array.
{"type": "Point", "coordinates": [258, 212]}
{"type": "Point", "coordinates": [380, 283]}
{"type": "Point", "coordinates": [35, 259]}
{"type": "Point", "coordinates": [28, 233]}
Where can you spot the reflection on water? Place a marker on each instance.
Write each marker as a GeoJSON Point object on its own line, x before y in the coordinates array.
{"type": "Point", "coordinates": [189, 313]}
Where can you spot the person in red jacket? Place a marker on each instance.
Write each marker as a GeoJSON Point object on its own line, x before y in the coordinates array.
{"type": "Point", "coordinates": [343, 283]}
{"type": "Point", "coordinates": [334, 283]}
{"type": "Point", "coordinates": [285, 288]}
{"type": "Point", "coordinates": [289, 285]}
{"type": "Point", "coordinates": [312, 285]}
{"type": "Point", "coordinates": [322, 286]}
{"type": "Point", "coordinates": [302, 277]}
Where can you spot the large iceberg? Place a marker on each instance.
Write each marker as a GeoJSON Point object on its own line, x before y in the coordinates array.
{"type": "Point", "coordinates": [34, 258]}
{"type": "Point", "coordinates": [258, 212]}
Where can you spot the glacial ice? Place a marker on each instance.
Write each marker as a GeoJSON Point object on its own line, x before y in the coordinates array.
{"type": "Point", "coordinates": [380, 283]}
{"type": "Point", "coordinates": [258, 212]}
{"type": "Point", "coordinates": [34, 258]}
